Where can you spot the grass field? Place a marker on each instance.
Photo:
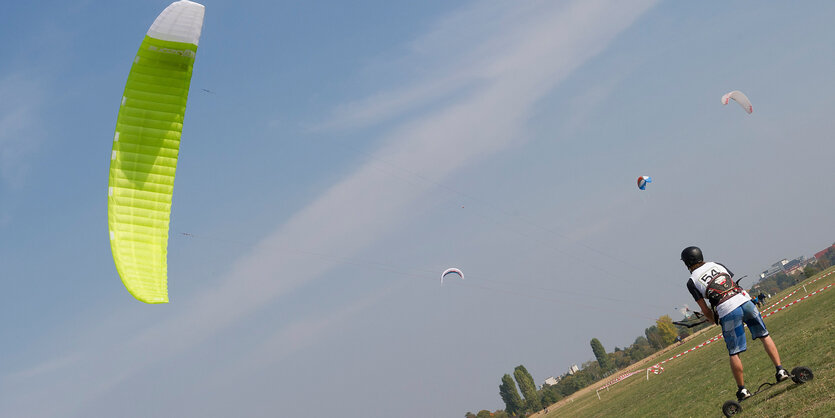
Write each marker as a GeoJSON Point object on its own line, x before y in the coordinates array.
{"type": "Point", "coordinates": [698, 383]}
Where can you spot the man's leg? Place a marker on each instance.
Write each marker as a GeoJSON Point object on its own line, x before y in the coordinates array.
{"type": "Point", "coordinates": [771, 350]}
{"type": "Point", "coordinates": [734, 334]}
{"type": "Point", "coordinates": [736, 369]}
{"type": "Point", "coordinates": [758, 330]}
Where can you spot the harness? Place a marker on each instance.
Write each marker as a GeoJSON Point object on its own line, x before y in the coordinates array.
{"type": "Point", "coordinates": [720, 288]}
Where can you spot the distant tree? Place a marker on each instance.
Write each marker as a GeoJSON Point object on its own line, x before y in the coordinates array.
{"type": "Point", "coordinates": [569, 385]}
{"type": "Point", "coordinates": [769, 285]}
{"type": "Point", "coordinates": [590, 371]}
{"type": "Point", "coordinates": [621, 359]}
{"type": "Point", "coordinates": [588, 375]}
{"type": "Point", "coordinates": [600, 355]}
{"type": "Point", "coordinates": [640, 348]}
{"type": "Point", "coordinates": [528, 388]}
{"type": "Point", "coordinates": [512, 401]}
{"type": "Point", "coordinates": [654, 337]}
{"type": "Point", "coordinates": [810, 270]}
{"type": "Point", "coordinates": [784, 281]}
{"type": "Point", "coordinates": [549, 394]}
{"type": "Point", "coordinates": [483, 414]}
{"type": "Point", "coordinates": [469, 415]}
{"type": "Point", "coordinates": [666, 328]}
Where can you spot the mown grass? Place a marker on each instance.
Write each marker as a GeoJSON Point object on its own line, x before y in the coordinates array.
{"type": "Point", "coordinates": [698, 383]}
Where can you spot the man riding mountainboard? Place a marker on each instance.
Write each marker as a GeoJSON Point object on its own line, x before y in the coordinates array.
{"type": "Point", "coordinates": [730, 307]}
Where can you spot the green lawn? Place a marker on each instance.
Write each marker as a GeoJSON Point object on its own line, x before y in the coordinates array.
{"type": "Point", "coordinates": [698, 383]}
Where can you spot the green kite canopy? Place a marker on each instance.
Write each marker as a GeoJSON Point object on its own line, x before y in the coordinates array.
{"type": "Point", "coordinates": [145, 149]}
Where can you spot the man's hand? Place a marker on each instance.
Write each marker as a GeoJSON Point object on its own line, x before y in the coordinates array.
{"type": "Point", "coordinates": [707, 312]}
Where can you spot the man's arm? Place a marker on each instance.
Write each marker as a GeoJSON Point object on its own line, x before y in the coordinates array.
{"type": "Point", "coordinates": [694, 292]}
{"type": "Point", "coordinates": [700, 299]}
{"type": "Point", "coordinates": [705, 310]}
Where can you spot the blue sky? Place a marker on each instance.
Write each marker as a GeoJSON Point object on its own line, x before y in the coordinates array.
{"type": "Point", "coordinates": [351, 151]}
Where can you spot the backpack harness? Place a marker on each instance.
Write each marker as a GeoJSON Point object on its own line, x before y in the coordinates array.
{"type": "Point", "coordinates": [720, 288]}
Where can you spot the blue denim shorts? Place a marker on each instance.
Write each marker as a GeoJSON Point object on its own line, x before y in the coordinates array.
{"type": "Point", "coordinates": [734, 332]}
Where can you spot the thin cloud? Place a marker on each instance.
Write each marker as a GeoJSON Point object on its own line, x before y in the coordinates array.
{"type": "Point", "coordinates": [43, 368]}
{"type": "Point", "coordinates": [464, 50]}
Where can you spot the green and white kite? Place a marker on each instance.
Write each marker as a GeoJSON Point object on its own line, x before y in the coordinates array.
{"type": "Point", "coordinates": [145, 149]}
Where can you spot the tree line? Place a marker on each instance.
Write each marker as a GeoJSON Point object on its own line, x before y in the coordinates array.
{"type": "Point", "coordinates": [527, 398]}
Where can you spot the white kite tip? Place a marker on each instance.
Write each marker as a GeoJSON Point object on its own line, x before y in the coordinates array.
{"type": "Point", "coordinates": [181, 21]}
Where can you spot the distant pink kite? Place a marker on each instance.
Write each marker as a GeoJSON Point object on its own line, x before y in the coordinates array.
{"type": "Point", "coordinates": [740, 98]}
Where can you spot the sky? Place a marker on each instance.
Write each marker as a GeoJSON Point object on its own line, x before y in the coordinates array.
{"type": "Point", "coordinates": [346, 153]}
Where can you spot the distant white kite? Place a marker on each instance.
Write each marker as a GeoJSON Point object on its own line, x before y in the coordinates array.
{"type": "Point", "coordinates": [451, 271]}
{"type": "Point", "coordinates": [740, 98]}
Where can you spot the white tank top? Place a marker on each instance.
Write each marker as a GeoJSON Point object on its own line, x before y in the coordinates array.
{"type": "Point", "coordinates": [702, 275]}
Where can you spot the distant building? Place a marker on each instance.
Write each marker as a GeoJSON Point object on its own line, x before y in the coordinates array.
{"type": "Point", "coordinates": [774, 269]}
{"type": "Point", "coordinates": [573, 369]}
{"type": "Point", "coordinates": [811, 260]}
{"type": "Point", "coordinates": [794, 266]}
{"type": "Point", "coordinates": [551, 381]}
{"type": "Point", "coordinates": [785, 266]}
{"type": "Point", "coordinates": [770, 272]}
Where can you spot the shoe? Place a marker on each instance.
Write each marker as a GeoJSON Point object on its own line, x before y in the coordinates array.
{"type": "Point", "coordinates": [743, 394]}
{"type": "Point", "coordinates": [782, 375]}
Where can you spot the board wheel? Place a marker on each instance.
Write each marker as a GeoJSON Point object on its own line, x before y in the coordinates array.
{"type": "Point", "coordinates": [802, 374]}
{"type": "Point", "coordinates": [731, 408]}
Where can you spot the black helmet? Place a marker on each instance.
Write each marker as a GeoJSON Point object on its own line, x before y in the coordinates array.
{"type": "Point", "coordinates": [691, 256]}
